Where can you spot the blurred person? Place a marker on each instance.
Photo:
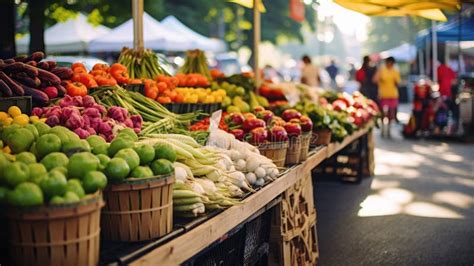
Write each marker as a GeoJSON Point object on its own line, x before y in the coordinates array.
{"type": "Point", "coordinates": [271, 74]}
{"type": "Point", "coordinates": [387, 78]}
{"type": "Point", "coordinates": [333, 70]}
{"type": "Point", "coordinates": [446, 79]}
{"type": "Point", "coordinates": [309, 72]}
{"type": "Point", "coordinates": [365, 77]}
{"type": "Point", "coordinates": [352, 71]}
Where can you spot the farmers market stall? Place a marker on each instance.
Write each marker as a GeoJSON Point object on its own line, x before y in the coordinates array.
{"type": "Point", "coordinates": [125, 163]}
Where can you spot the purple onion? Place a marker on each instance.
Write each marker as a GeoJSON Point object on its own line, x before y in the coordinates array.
{"type": "Point", "coordinates": [88, 101]}
{"type": "Point", "coordinates": [87, 121]}
{"type": "Point", "coordinates": [91, 131]}
{"type": "Point", "coordinates": [137, 129]}
{"type": "Point", "coordinates": [52, 120]}
{"type": "Point", "coordinates": [82, 133]}
{"type": "Point", "coordinates": [77, 101]}
{"type": "Point", "coordinates": [37, 111]}
{"type": "Point", "coordinates": [91, 112]}
{"type": "Point", "coordinates": [137, 121]}
{"type": "Point", "coordinates": [66, 101]}
{"type": "Point", "coordinates": [74, 121]}
{"type": "Point", "coordinates": [67, 112]}
{"type": "Point", "coordinates": [95, 123]}
{"type": "Point", "coordinates": [128, 123]}
{"type": "Point", "coordinates": [116, 113]}
{"type": "Point", "coordinates": [99, 107]}
{"type": "Point", "coordinates": [105, 128]}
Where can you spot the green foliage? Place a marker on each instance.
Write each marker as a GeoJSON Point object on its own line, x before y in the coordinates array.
{"type": "Point", "coordinates": [388, 32]}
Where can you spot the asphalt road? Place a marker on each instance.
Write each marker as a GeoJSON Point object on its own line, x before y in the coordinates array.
{"type": "Point", "coordinates": [416, 210]}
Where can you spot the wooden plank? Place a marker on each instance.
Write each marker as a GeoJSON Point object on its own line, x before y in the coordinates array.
{"type": "Point", "coordinates": [185, 246]}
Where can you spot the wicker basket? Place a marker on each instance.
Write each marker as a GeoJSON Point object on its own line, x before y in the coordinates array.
{"type": "Point", "coordinates": [294, 151]}
{"type": "Point", "coordinates": [321, 137]}
{"type": "Point", "coordinates": [60, 235]}
{"type": "Point", "coordinates": [138, 209]}
{"type": "Point", "coordinates": [305, 142]}
{"type": "Point", "coordinates": [275, 151]}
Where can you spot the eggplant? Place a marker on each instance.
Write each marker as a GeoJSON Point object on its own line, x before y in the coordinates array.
{"type": "Point", "coordinates": [32, 63]}
{"type": "Point", "coordinates": [61, 90]}
{"type": "Point", "coordinates": [9, 61]}
{"type": "Point", "coordinates": [52, 64]}
{"type": "Point", "coordinates": [5, 90]}
{"type": "Point", "coordinates": [48, 78]}
{"type": "Point", "coordinates": [43, 65]}
{"type": "Point", "coordinates": [21, 67]}
{"type": "Point", "coordinates": [13, 85]}
{"type": "Point", "coordinates": [37, 96]}
{"type": "Point", "coordinates": [37, 56]}
{"type": "Point", "coordinates": [24, 79]}
{"type": "Point", "coordinates": [62, 72]}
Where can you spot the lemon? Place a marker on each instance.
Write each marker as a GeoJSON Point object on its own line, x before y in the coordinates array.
{"type": "Point", "coordinates": [21, 120]}
{"type": "Point", "coordinates": [43, 120]}
{"type": "Point", "coordinates": [8, 121]}
{"type": "Point", "coordinates": [14, 111]}
{"type": "Point", "coordinates": [3, 116]}
{"type": "Point", "coordinates": [34, 119]}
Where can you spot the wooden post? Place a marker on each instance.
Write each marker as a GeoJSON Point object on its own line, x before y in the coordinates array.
{"type": "Point", "coordinates": [137, 13]}
{"type": "Point", "coordinates": [435, 52]}
{"type": "Point", "coordinates": [256, 40]}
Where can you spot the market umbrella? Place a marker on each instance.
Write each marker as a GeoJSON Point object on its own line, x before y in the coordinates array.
{"type": "Point", "coordinates": [427, 9]}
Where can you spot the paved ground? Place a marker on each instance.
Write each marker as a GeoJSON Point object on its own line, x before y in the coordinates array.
{"type": "Point", "coordinates": [417, 210]}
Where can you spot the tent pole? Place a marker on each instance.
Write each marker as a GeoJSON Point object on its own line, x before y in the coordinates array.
{"type": "Point", "coordinates": [137, 13]}
{"type": "Point", "coordinates": [256, 40]}
{"type": "Point", "coordinates": [459, 41]}
{"type": "Point", "coordinates": [421, 62]}
{"type": "Point", "coordinates": [435, 52]}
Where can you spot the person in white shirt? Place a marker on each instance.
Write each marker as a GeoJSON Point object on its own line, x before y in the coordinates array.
{"type": "Point", "coordinates": [309, 72]}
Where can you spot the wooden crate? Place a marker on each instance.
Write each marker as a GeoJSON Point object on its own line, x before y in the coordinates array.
{"type": "Point", "coordinates": [138, 209]}
{"type": "Point", "coordinates": [293, 238]}
{"type": "Point", "coordinates": [60, 235]}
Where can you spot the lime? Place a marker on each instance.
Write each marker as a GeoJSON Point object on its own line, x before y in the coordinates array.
{"type": "Point", "coordinates": [61, 132]}
{"type": "Point", "coordinates": [71, 197]}
{"type": "Point", "coordinates": [75, 186]}
{"type": "Point", "coordinates": [162, 167]}
{"type": "Point", "coordinates": [129, 132]}
{"type": "Point", "coordinates": [104, 160]}
{"type": "Point", "coordinates": [20, 140]}
{"type": "Point", "coordinates": [118, 144]}
{"type": "Point", "coordinates": [129, 155]}
{"type": "Point", "coordinates": [165, 151]}
{"type": "Point", "coordinates": [61, 169]}
{"type": "Point", "coordinates": [54, 184]}
{"type": "Point", "coordinates": [37, 172]}
{"type": "Point", "coordinates": [75, 145]}
{"type": "Point", "coordinates": [3, 194]}
{"type": "Point", "coordinates": [55, 159]}
{"type": "Point", "coordinates": [146, 153]}
{"type": "Point", "coordinates": [141, 172]}
{"type": "Point", "coordinates": [47, 144]}
{"type": "Point", "coordinates": [117, 169]}
{"type": "Point", "coordinates": [95, 141]}
{"type": "Point", "coordinates": [3, 163]}
{"type": "Point", "coordinates": [56, 200]}
{"type": "Point", "coordinates": [42, 128]}
{"type": "Point", "coordinates": [26, 157]}
{"type": "Point", "coordinates": [1, 144]}
{"type": "Point", "coordinates": [82, 163]}
{"type": "Point", "coordinates": [7, 131]}
{"type": "Point", "coordinates": [25, 194]}
{"type": "Point", "coordinates": [33, 130]}
{"type": "Point", "coordinates": [101, 149]}
{"type": "Point", "coordinates": [94, 181]}
{"type": "Point", "coordinates": [16, 173]}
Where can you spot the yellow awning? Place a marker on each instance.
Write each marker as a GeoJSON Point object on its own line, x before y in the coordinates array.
{"type": "Point", "coordinates": [249, 4]}
{"type": "Point", "coordinates": [427, 9]}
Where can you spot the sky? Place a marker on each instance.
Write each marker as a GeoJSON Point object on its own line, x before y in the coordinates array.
{"type": "Point", "coordinates": [348, 21]}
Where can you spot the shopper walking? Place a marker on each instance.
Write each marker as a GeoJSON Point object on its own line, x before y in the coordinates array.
{"type": "Point", "coordinates": [365, 77]}
{"type": "Point", "coordinates": [333, 70]}
{"type": "Point", "coordinates": [309, 72]}
{"type": "Point", "coordinates": [387, 78]}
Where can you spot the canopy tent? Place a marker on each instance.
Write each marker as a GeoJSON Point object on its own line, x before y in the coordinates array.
{"type": "Point", "coordinates": [460, 29]}
{"type": "Point", "coordinates": [156, 37]}
{"type": "Point", "coordinates": [403, 53]}
{"type": "Point", "coordinates": [201, 42]}
{"type": "Point", "coordinates": [423, 8]}
{"type": "Point", "coordinates": [71, 36]}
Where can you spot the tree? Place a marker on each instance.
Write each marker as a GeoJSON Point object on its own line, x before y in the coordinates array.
{"type": "Point", "coordinates": [7, 37]}
{"type": "Point", "coordinates": [388, 32]}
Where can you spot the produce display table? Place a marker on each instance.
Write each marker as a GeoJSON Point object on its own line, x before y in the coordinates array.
{"type": "Point", "coordinates": [295, 180]}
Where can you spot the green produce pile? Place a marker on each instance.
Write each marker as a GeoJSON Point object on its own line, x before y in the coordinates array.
{"type": "Point", "coordinates": [54, 166]}
{"type": "Point", "coordinates": [141, 64]}
{"type": "Point", "coordinates": [239, 99]}
{"type": "Point", "coordinates": [195, 62]}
